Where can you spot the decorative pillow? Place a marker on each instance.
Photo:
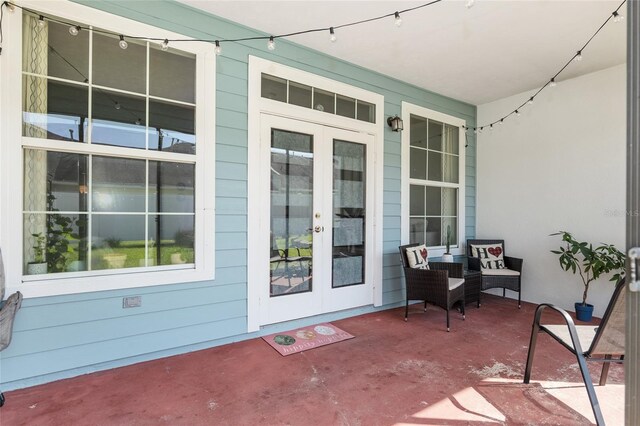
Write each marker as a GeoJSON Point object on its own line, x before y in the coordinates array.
{"type": "Point", "coordinates": [491, 255]}
{"type": "Point", "coordinates": [417, 257]}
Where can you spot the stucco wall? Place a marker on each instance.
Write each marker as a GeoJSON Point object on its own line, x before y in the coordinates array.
{"type": "Point", "coordinates": [560, 166]}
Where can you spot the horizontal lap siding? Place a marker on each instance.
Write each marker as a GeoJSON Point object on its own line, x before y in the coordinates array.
{"type": "Point", "coordinates": [58, 335]}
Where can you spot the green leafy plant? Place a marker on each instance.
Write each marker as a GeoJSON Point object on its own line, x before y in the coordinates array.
{"type": "Point", "coordinates": [589, 262]}
{"type": "Point", "coordinates": [40, 248]}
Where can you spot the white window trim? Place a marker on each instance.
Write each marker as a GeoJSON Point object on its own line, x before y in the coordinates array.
{"type": "Point", "coordinates": [407, 110]}
{"type": "Point", "coordinates": [259, 105]}
{"type": "Point", "coordinates": [11, 168]}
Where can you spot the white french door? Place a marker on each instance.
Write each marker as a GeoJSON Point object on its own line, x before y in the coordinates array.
{"type": "Point", "coordinates": [316, 227]}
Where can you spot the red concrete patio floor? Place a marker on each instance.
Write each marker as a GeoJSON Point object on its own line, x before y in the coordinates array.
{"type": "Point", "coordinates": [391, 373]}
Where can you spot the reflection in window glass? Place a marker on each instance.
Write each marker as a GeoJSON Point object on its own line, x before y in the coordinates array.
{"type": "Point", "coordinates": [435, 135]}
{"type": "Point", "coordinates": [171, 187]}
{"type": "Point", "coordinates": [123, 69]}
{"type": "Point", "coordinates": [118, 185]}
{"type": "Point", "coordinates": [68, 56]}
{"type": "Point", "coordinates": [172, 74]}
{"type": "Point", "coordinates": [118, 119]}
{"type": "Point", "coordinates": [54, 110]}
{"type": "Point", "coordinates": [117, 241]}
{"type": "Point", "coordinates": [418, 164]}
{"type": "Point", "coordinates": [418, 131]}
{"type": "Point", "coordinates": [171, 239]}
{"type": "Point", "coordinates": [172, 127]}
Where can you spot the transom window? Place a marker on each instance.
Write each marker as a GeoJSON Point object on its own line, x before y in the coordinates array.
{"type": "Point", "coordinates": [111, 157]}
{"type": "Point", "coordinates": [291, 92]}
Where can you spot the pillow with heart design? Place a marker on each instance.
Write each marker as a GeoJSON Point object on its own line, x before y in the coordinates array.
{"type": "Point", "coordinates": [491, 255]}
{"type": "Point", "coordinates": [418, 257]}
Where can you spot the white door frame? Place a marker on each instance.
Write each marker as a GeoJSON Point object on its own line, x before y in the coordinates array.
{"type": "Point", "coordinates": [257, 106]}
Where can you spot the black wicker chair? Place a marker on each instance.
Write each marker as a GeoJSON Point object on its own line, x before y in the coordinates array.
{"type": "Point", "coordinates": [598, 343]}
{"type": "Point", "coordinates": [433, 285]}
{"type": "Point", "coordinates": [489, 280]}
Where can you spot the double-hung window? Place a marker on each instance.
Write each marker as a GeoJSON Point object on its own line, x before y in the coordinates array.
{"type": "Point", "coordinates": [116, 154]}
{"type": "Point", "coordinates": [433, 179]}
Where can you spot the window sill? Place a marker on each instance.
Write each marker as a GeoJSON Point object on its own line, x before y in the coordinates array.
{"type": "Point", "coordinates": [58, 286]}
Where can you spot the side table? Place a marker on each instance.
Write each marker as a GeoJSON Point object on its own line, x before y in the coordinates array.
{"type": "Point", "coordinates": [472, 286]}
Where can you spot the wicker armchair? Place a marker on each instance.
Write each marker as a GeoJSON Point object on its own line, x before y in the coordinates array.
{"type": "Point", "coordinates": [599, 343]}
{"type": "Point", "coordinates": [441, 285]}
{"type": "Point", "coordinates": [497, 278]}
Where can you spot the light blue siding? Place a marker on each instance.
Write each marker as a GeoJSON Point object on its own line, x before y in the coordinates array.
{"type": "Point", "coordinates": [64, 336]}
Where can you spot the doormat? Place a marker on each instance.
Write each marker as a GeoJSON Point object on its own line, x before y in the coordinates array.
{"type": "Point", "coordinates": [306, 338]}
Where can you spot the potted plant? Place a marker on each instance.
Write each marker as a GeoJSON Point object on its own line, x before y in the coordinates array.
{"type": "Point", "coordinates": [39, 264]}
{"type": "Point", "coordinates": [590, 263]}
{"type": "Point", "coordinates": [447, 256]}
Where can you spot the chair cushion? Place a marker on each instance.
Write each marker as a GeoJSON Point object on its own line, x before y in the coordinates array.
{"type": "Point", "coordinates": [455, 283]}
{"type": "Point", "coordinates": [501, 272]}
{"type": "Point", "coordinates": [491, 255]}
{"type": "Point", "coordinates": [417, 257]}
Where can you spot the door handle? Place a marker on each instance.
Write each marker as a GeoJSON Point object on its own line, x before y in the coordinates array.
{"type": "Point", "coordinates": [634, 254]}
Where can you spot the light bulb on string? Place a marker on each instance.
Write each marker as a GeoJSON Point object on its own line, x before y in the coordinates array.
{"type": "Point", "coordinates": [617, 17]}
{"type": "Point", "coordinates": [138, 122]}
{"type": "Point", "coordinates": [475, 131]}
{"type": "Point", "coordinates": [530, 101]}
{"type": "Point", "coordinates": [500, 122]}
{"type": "Point", "coordinates": [218, 48]}
{"type": "Point", "coordinates": [41, 21]}
{"type": "Point", "coordinates": [271, 45]}
{"type": "Point", "coordinates": [491, 127]}
{"type": "Point", "coordinates": [332, 35]}
{"type": "Point", "coordinates": [398, 19]}
{"type": "Point", "coordinates": [553, 83]}
{"type": "Point", "coordinates": [518, 113]}
{"type": "Point", "coordinates": [117, 105]}
{"type": "Point", "coordinates": [470, 3]}
{"type": "Point", "coordinates": [578, 56]}
{"type": "Point", "coordinates": [74, 30]}
{"type": "Point", "coordinates": [10, 6]}
{"type": "Point", "coordinates": [165, 45]}
{"type": "Point", "coordinates": [123, 43]}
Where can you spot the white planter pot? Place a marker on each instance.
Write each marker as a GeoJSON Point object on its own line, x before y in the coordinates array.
{"type": "Point", "coordinates": [36, 268]}
{"type": "Point", "coordinates": [447, 258]}
{"type": "Point", "coordinates": [176, 259]}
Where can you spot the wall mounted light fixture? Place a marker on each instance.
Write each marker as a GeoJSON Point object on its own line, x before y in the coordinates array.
{"type": "Point", "coordinates": [395, 123]}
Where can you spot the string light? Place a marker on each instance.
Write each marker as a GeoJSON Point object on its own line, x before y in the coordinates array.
{"type": "Point", "coordinates": [165, 45]}
{"type": "Point", "coordinates": [271, 45]}
{"type": "Point", "coordinates": [11, 6]}
{"type": "Point", "coordinates": [218, 48]}
{"type": "Point", "coordinates": [398, 19]}
{"type": "Point", "coordinates": [138, 122]}
{"type": "Point", "coordinates": [332, 35]}
{"type": "Point", "coordinates": [117, 105]}
{"type": "Point", "coordinates": [470, 3]}
{"type": "Point", "coordinates": [123, 43]}
{"type": "Point", "coordinates": [553, 83]}
{"type": "Point", "coordinates": [530, 101]}
{"type": "Point", "coordinates": [578, 56]}
{"type": "Point", "coordinates": [74, 30]}
{"type": "Point", "coordinates": [617, 17]}
{"type": "Point", "coordinates": [518, 113]}
{"type": "Point", "coordinates": [41, 21]}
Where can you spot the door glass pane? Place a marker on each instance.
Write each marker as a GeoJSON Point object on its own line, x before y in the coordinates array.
{"type": "Point", "coordinates": [291, 212]}
{"type": "Point", "coordinates": [349, 177]}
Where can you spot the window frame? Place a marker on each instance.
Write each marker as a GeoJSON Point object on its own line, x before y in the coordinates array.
{"type": "Point", "coordinates": [408, 109]}
{"type": "Point", "coordinates": [14, 144]}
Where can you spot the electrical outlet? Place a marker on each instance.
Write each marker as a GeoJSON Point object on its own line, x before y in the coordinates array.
{"type": "Point", "coordinates": [131, 302]}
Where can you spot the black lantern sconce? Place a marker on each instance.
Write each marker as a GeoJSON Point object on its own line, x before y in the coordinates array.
{"type": "Point", "coordinates": [395, 123]}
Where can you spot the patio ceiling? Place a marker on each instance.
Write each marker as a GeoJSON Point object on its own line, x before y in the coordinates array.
{"type": "Point", "coordinates": [477, 55]}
